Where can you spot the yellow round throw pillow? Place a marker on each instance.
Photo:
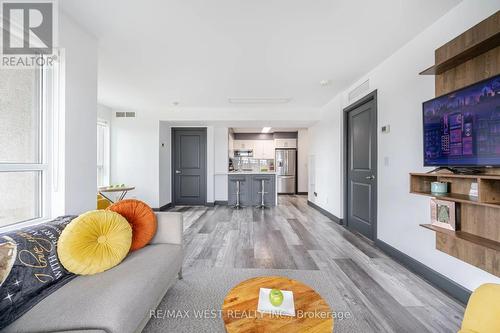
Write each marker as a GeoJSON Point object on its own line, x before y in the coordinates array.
{"type": "Point", "coordinates": [94, 242]}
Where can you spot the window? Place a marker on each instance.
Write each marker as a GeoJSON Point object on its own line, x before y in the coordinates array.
{"type": "Point", "coordinates": [24, 170]}
{"type": "Point", "coordinates": [102, 153]}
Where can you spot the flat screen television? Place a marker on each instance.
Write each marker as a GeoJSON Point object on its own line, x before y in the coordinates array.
{"type": "Point", "coordinates": [462, 128]}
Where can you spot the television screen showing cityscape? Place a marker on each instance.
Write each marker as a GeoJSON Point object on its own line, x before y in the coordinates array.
{"type": "Point", "coordinates": [462, 128]}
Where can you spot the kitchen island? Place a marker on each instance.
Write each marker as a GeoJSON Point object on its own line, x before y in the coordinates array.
{"type": "Point", "coordinates": [250, 186]}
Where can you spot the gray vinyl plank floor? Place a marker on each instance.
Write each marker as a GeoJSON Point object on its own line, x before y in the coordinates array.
{"type": "Point", "coordinates": [292, 235]}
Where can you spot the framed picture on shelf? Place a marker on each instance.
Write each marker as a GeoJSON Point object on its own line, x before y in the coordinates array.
{"type": "Point", "coordinates": [444, 214]}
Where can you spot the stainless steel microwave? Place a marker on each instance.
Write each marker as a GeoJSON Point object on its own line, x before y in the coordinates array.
{"type": "Point", "coordinates": [243, 153]}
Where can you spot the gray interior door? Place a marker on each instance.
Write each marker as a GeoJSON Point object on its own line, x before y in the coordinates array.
{"type": "Point", "coordinates": [362, 168]}
{"type": "Point", "coordinates": [189, 151]}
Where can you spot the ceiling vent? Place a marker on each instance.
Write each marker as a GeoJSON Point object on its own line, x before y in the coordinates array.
{"type": "Point", "coordinates": [259, 100]}
{"type": "Point", "coordinates": [360, 90]}
{"type": "Point", "coordinates": [121, 114]}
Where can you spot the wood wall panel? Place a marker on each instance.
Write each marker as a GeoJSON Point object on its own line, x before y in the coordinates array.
{"type": "Point", "coordinates": [480, 221]}
{"type": "Point", "coordinates": [482, 31]}
{"type": "Point", "coordinates": [482, 257]}
{"type": "Point", "coordinates": [472, 71]}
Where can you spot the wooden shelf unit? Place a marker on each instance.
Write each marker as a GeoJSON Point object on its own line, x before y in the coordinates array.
{"type": "Point", "coordinates": [471, 57]}
{"type": "Point", "coordinates": [478, 240]}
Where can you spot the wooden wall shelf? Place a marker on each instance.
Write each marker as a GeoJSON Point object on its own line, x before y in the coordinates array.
{"type": "Point", "coordinates": [460, 58]}
{"type": "Point", "coordinates": [474, 42]}
{"type": "Point", "coordinates": [477, 251]}
{"type": "Point", "coordinates": [488, 188]}
{"type": "Point", "coordinates": [465, 236]}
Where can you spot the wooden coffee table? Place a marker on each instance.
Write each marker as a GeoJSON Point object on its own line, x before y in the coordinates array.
{"type": "Point", "coordinates": [239, 310]}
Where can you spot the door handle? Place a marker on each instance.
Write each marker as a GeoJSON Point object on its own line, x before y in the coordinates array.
{"type": "Point", "coordinates": [177, 171]}
{"type": "Point", "coordinates": [372, 177]}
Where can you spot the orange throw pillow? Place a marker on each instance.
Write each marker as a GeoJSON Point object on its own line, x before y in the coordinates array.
{"type": "Point", "coordinates": [141, 218]}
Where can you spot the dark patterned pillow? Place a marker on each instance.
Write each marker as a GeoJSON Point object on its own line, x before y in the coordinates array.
{"type": "Point", "coordinates": [29, 267]}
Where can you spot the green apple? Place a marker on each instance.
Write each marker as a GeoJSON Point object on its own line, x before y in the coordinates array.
{"type": "Point", "coordinates": [275, 297]}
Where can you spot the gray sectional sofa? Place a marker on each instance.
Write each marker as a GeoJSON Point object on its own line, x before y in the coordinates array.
{"type": "Point", "coordinates": [118, 300]}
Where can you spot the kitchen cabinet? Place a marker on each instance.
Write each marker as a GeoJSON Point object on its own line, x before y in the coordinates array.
{"type": "Point", "coordinates": [244, 144]}
{"type": "Point", "coordinates": [250, 186]}
{"type": "Point", "coordinates": [269, 188]}
{"type": "Point", "coordinates": [285, 143]}
{"type": "Point", "coordinates": [263, 149]}
{"type": "Point", "coordinates": [268, 149]}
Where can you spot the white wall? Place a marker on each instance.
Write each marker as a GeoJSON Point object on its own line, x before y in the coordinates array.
{"type": "Point", "coordinates": [135, 159]}
{"type": "Point", "coordinates": [104, 113]}
{"type": "Point", "coordinates": [401, 92]}
{"type": "Point", "coordinates": [221, 160]}
{"type": "Point", "coordinates": [80, 114]}
{"type": "Point", "coordinates": [210, 163]}
{"type": "Point", "coordinates": [164, 173]}
{"type": "Point", "coordinates": [302, 160]}
{"type": "Point", "coordinates": [325, 149]}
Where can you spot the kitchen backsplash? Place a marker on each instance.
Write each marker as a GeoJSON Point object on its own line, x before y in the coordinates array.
{"type": "Point", "coordinates": [253, 164]}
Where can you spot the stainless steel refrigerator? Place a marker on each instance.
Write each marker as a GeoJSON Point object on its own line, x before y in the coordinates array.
{"type": "Point", "coordinates": [285, 170]}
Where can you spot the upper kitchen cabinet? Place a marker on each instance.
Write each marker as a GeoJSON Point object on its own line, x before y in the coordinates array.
{"type": "Point", "coordinates": [285, 143]}
{"type": "Point", "coordinates": [244, 144]}
{"type": "Point", "coordinates": [264, 149]}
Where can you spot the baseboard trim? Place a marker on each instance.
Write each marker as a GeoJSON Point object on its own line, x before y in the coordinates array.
{"type": "Point", "coordinates": [221, 202]}
{"type": "Point", "coordinates": [302, 193]}
{"type": "Point", "coordinates": [325, 212]}
{"type": "Point", "coordinates": [435, 278]}
{"type": "Point", "coordinates": [163, 208]}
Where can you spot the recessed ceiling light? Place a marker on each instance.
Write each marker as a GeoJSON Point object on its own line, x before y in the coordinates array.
{"type": "Point", "coordinates": [266, 129]}
{"type": "Point", "coordinates": [324, 83]}
{"type": "Point", "coordinates": [259, 100]}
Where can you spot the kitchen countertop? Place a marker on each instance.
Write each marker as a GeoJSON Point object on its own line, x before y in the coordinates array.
{"type": "Point", "coordinates": [251, 173]}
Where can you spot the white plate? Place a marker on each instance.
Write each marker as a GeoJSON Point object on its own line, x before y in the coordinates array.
{"type": "Point", "coordinates": [287, 308]}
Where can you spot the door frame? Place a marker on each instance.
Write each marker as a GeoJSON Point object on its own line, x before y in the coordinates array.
{"type": "Point", "coordinates": [172, 159]}
{"type": "Point", "coordinates": [366, 99]}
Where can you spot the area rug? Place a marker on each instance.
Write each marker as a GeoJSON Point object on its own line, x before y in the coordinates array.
{"type": "Point", "coordinates": [191, 305]}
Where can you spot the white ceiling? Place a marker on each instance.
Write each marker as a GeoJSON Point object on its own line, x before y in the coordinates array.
{"type": "Point", "coordinates": [200, 53]}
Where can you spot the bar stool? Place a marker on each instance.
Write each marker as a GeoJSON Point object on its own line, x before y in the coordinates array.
{"type": "Point", "coordinates": [237, 204]}
{"type": "Point", "coordinates": [262, 193]}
